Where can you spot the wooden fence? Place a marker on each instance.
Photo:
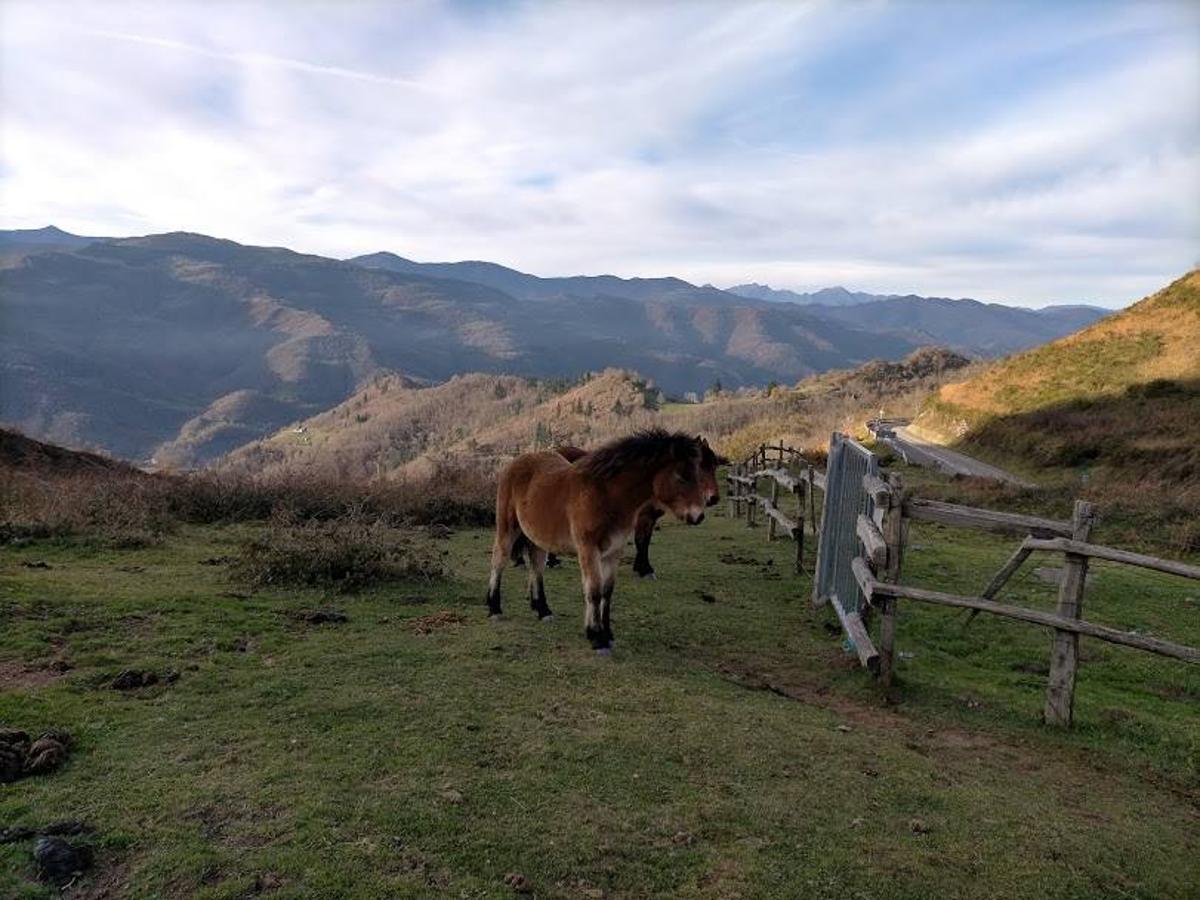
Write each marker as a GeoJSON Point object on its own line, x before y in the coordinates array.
{"type": "Point", "coordinates": [877, 572]}
{"type": "Point", "coordinates": [787, 471]}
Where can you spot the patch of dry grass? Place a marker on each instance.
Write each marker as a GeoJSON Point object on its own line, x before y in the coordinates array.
{"type": "Point", "coordinates": [126, 509]}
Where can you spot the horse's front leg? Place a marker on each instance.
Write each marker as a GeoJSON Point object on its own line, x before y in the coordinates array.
{"type": "Point", "coordinates": [643, 531]}
{"type": "Point", "coordinates": [592, 571]}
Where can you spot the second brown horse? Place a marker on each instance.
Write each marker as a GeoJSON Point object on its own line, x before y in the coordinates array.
{"type": "Point", "coordinates": [589, 508]}
{"type": "Point", "coordinates": [648, 516]}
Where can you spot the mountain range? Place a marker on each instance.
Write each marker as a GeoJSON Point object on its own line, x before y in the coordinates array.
{"type": "Point", "coordinates": [195, 345]}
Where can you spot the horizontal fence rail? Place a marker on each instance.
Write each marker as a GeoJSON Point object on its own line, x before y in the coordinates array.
{"type": "Point", "coordinates": [873, 589]}
{"type": "Point", "coordinates": [1095, 551]}
{"type": "Point", "coordinates": [989, 519]}
{"type": "Point", "coordinates": [1067, 622]}
{"type": "Point", "coordinates": [788, 472]}
{"type": "Point", "coordinates": [878, 513]}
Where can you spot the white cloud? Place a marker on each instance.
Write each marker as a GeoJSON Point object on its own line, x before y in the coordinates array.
{"type": "Point", "coordinates": [690, 139]}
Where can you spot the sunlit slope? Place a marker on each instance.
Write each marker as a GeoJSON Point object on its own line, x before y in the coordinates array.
{"type": "Point", "coordinates": [394, 425]}
{"type": "Point", "coordinates": [1123, 393]}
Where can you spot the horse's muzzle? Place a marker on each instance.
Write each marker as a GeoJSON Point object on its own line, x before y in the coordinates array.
{"type": "Point", "coordinates": [695, 519]}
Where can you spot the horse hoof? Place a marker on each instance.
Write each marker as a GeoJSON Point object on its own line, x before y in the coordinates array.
{"type": "Point", "coordinates": [649, 576]}
{"type": "Point", "coordinates": [549, 617]}
{"type": "Point", "coordinates": [604, 651]}
{"type": "Point", "coordinates": [496, 617]}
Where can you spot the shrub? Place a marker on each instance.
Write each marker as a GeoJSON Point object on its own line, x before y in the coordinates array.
{"type": "Point", "coordinates": [133, 509]}
{"type": "Point", "coordinates": [346, 554]}
{"type": "Point", "coordinates": [118, 509]}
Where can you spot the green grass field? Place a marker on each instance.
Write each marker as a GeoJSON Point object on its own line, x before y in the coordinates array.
{"type": "Point", "coordinates": [729, 748]}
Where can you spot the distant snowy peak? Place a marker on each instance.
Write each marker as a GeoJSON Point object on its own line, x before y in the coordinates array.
{"type": "Point", "coordinates": [830, 296]}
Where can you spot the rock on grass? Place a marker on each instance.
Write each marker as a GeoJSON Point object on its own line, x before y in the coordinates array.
{"type": "Point", "coordinates": [59, 861]}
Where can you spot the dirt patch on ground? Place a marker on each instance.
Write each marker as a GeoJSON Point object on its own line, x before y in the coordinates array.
{"type": "Point", "coordinates": [431, 623]}
{"type": "Point", "coordinates": [109, 883]}
{"type": "Point", "coordinates": [723, 879]}
{"type": "Point", "coordinates": [20, 675]}
{"type": "Point", "coordinates": [323, 616]}
{"type": "Point", "coordinates": [133, 679]}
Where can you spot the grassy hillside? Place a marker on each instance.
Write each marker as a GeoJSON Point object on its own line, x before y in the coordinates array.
{"type": "Point", "coordinates": [21, 453]}
{"type": "Point", "coordinates": [1156, 339]}
{"type": "Point", "coordinates": [1113, 408]}
{"type": "Point", "coordinates": [729, 749]}
{"type": "Point", "coordinates": [394, 425]}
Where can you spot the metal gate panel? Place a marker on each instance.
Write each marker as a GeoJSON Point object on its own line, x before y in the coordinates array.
{"type": "Point", "coordinates": [845, 499]}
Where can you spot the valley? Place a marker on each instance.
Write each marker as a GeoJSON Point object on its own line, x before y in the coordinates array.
{"type": "Point", "coordinates": [180, 348]}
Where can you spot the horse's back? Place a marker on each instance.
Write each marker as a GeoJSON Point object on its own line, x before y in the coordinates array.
{"type": "Point", "coordinates": [534, 490]}
{"type": "Point", "coordinates": [569, 453]}
{"type": "Point", "coordinates": [527, 467]}
{"type": "Point", "coordinates": [532, 474]}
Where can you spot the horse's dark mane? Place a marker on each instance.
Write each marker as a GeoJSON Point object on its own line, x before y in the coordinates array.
{"type": "Point", "coordinates": [654, 446]}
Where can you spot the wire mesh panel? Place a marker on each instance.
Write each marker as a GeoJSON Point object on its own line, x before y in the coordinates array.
{"type": "Point", "coordinates": [845, 498]}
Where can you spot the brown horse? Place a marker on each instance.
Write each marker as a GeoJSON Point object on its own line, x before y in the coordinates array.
{"type": "Point", "coordinates": [590, 508]}
{"type": "Point", "coordinates": [648, 515]}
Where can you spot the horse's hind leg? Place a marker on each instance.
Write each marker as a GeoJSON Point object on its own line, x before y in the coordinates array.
{"type": "Point", "coordinates": [537, 586]}
{"type": "Point", "coordinates": [606, 591]}
{"type": "Point", "coordinates": [506, 535]}
{"type": "Point", "coordinates": [591, 569]}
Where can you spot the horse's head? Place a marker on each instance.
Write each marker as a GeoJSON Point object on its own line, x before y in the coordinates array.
{"type": "Point", "coordinates": [709, 461]}
{"type": "Point", "coordinates": [681, 486]}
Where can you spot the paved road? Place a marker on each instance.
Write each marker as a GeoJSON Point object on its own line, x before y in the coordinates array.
{"type": "Point", "coordinates": [922, 453]}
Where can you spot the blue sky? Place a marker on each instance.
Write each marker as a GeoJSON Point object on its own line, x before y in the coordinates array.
{"type": "Point", "coordinates": [1022, 152]}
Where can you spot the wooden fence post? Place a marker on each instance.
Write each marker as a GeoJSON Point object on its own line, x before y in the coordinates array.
{"type": "Point", "coordinates": [802, 489]}
{"type": "Point", "coordinates": [751, 502]}
{"type": "Point", "coordinates": [892, 526]}
{"type": "Point", "coordinates": [1064, 653]}
{"type": "Point", "coordinates": [813, 521]}
{"type": "Point", "coordinates": [774, 503]}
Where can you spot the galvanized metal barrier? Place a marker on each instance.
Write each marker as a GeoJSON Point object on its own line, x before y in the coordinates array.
{"type": "Point", "coordinates": [845, 500]}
